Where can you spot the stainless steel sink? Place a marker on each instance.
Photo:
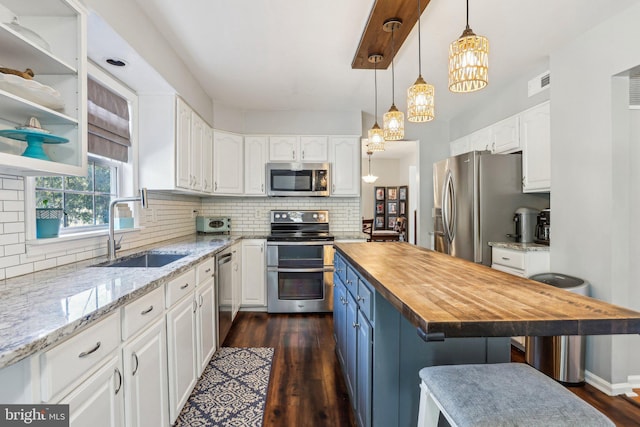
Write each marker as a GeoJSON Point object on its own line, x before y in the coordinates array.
{"type": "Point", "coordinates": [149, 259]}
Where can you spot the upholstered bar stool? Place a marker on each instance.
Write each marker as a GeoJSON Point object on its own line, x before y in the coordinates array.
{"type": "Point", "coordinates": [502, 394]}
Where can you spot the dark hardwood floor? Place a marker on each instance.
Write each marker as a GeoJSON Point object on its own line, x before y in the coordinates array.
{"type": "Point", "coordinates": [307, 388]}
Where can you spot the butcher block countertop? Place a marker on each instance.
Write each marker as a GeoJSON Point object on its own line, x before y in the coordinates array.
{"type": "Point", "coordinates": [441, 294]}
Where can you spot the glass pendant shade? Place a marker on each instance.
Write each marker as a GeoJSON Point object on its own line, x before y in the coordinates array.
{"type": "Point", "coordinates": [393, 124]}
{"type": "Point", "coordinates": [376, 138]}
{"type": "Point", "coordinates": [420, 102]}
{"type": "Point", "coordinates": [369, 179]}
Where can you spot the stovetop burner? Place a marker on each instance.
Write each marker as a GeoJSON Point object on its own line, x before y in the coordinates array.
{"type": "Point", "coordinates": [299, 226]}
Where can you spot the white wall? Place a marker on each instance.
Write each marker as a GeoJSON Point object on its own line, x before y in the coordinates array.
{"type": "Point", "coordinates": [594, 194]}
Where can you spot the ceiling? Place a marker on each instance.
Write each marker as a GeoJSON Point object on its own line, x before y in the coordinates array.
{"type": "Point", "coordinates": [297, 55]}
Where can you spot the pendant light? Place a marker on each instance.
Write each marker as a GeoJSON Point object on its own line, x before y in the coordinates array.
{"type": "Point", "coordinates": [376, 135]}
{"type": "Point", "coordinates": [468, 61]}
{"type": "Point", "coordinates": [420, 96]}
{"type": "Point", "coordinates": [369, 179]}
{"type": "Point", "coordinates": [393, 122]}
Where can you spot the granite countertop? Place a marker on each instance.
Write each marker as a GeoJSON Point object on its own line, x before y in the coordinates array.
{"type": "Point", "coordinates": [40, 309]}
{"type": "Point", "coordinates": [524, 247]}
{"type": "Point", "coordinates": [441, 294]}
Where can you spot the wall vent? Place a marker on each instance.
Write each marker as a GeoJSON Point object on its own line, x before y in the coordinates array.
{"type": "Point", "coordinates": [539, 83]}
{"type": "Point", "coordinates": [634, 91]}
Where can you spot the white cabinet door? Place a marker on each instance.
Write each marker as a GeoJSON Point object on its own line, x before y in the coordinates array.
{"type": "Point", "coordinates": [283, 148]}
{"type": "Point", "coordinates": [197, 141]}
{"type": "Point", "coordinates": [536, 148]}
{"type": "Point", "coordinates": [228, 163]}
{"type": "Point", "coordinates": [345, 166]}
{"type": "Point", "coordinates": [145, 379]}
{"type": "Point", "coordinates": [206, 323]}
{"type": "Point", "coordinates": [255, 159]}
{"type": "Point", "coordinates": [254, 284]}
{"type": "Point", "coordinates": [506, 135]}
{"type": "Point", "coordinates": [459, 146]}
{"type": "Point", "coordinates": [207, 160]}
{"type": "Point", "coordinates": [181, 352]}
{"type": "Point", "coordinates": [99, 401]}
{"type": "Point", "coordinates": [236, 297]}
{"type": "Point", "coordinates": [183, 145]}
{"type": "Point", "coordinates": [313, 148]}
{"type": "Point", "coordinates": [481, 140]}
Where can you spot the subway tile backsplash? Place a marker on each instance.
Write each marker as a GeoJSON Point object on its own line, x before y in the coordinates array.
{"type": "Point", "coordinates": [251, 215]}
{"type": "Point", "coordinates": [169, 216]}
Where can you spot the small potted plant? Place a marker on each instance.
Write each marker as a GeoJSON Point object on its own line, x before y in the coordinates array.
{"type": "Point", "coordinates": [48, 220]}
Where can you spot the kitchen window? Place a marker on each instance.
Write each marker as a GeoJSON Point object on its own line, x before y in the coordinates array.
{"type": "Point", "coordinates": [112, 162]}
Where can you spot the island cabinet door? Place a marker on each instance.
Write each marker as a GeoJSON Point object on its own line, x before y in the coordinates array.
{"type": "Point", "coordinates": [351, 355]}
{"type": "Point", "coordinates": [339, 318]}
{"type": "Point", "coordinates": [364, 370]}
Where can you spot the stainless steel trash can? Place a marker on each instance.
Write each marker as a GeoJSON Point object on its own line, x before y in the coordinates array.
{"type": "Point", "coordinates": [560, 357]}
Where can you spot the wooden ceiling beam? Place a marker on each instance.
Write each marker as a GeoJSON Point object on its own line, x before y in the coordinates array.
{"type": "Point", "coordinates": [375, 40]}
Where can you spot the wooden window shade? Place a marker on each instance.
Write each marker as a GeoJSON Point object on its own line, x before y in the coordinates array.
{"type": "Point", "coordinates": [108, 119]}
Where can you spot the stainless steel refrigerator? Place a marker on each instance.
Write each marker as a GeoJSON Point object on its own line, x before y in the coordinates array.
{"type": "Point", "coordinates": [475, 197]}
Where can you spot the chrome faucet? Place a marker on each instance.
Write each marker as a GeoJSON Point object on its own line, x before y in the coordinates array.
{"type": "Point", "coordinates": [112, 246]}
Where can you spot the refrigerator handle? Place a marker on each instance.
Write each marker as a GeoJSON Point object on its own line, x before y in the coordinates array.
{"type": "Point", "coordinates": [448, 207]}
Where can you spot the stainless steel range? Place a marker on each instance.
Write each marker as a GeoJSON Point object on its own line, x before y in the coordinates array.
{"type": "Point", "coordinates": [299, 262]}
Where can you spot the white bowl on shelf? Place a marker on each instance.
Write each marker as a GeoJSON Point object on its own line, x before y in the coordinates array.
{"type": "Point", "coordinates": [32, 90]}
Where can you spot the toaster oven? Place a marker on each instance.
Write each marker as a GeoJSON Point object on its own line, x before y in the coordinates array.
{"type": "Point", "coordinates": [209, 224]}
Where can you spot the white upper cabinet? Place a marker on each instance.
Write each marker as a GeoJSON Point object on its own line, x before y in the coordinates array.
{"type": "Point", "coordinates": [313, 148]}
{"type": "Point", "coordinates": [481, 140]}
{"type": "Point", "coordinates": [228, 163]}
{"type": "Point", "coordinates": [255, 158]}
{"type": "Point", "coordinates": [535, 133]}
{"type": "Point", "coordinates": [56, 95]}
{"type": "Point", "coordinates": [506, 135]}
{"type": "Point", "coordinates": [345, 166]}
{"type": "Point", "coordinates": [175, 148]}
{"type": "Point", "coordinates": [459, 146]}
{"type": "Point", "coordinates": [283, 148]}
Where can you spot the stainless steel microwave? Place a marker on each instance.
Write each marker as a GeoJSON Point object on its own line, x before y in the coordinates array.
{"type": "Point", "coordinates": [298, 179]}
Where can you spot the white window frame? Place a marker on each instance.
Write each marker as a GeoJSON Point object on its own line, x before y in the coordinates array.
{"type": "Point", "coordinates": [127, 184]}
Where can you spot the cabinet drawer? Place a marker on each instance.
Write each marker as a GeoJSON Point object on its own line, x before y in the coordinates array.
{"type": "Point", "coordinates": [139, 313]}
{"type": "Point", "coordinates": [352, 281]}
{"type": "Point", "coordinates": [67, 362]}
{"type": "Point", "coordinates": [205, 270]}
{"type": "Point", "coordinates": [365, 299]}
{"type": "Point", "coordinates": [180, 286]}
{"type": "Point", "coordinates": [340, 268]}
{"type": "Point", "coordinates": [508, 257]}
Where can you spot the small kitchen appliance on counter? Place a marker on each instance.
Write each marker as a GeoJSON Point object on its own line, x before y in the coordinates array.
{"type": "Point", "coordinates": [210, 224]}
{"type": "Point", "coordinates": [525, 225]}
{"type": "Point", "coordinates": [543, 228]}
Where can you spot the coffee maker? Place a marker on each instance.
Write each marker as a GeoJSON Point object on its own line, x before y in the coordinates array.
{"type": "Point", "coordinates": [543, 227]}
{"type": "Point", "coordinates": [524, 225]}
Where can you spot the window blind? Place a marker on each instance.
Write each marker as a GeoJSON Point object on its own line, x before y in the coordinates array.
{"type": "Point", "coordinates": [108, 119]}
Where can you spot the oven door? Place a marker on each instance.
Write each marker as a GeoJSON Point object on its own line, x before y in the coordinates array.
{"type": "Point", "coordinates": [299, 290]}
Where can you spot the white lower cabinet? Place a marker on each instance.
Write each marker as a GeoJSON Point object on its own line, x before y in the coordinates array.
{"type": "Point", "coordinates": [254, 282]}
{"type": "Point", "coordinates": [236, 279]}
{"type": "Point", "coordinates": [99, 401]}
{"type": "Point", "coordinates": [205, 323]}
{"type": "Point", "coordinates": [145, 378]}
{"type": "Point", "coordinates": [181, 357]}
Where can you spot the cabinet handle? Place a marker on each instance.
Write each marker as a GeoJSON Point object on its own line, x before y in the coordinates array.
{"type": "Point", "coordinates": [147, 311]}
{"type": "Point", "coordinates": [505, 258]}
{"type": "Point", "coordinates": [117, 371]}
{"type": "Point", "coordinates": [356, 325]}
{"type": "Point", "coordinates": [302, 154]}
{"type": "Point", "coordinates": [195, 305]}
{"type": "Point", "coordinates": [359, 298]}
{"type": "Point", "coordinates": [215, 186]}
{"type": "Point", "coordinates": [333, 188]}
{"type": "Point", "coordinates": [135, 357]}
{"type": "Point", "coordinates": [201, 300]}
{"type": "Point", "coordinates": [93, 350]}
{"type": "Point", "coordinates": [261, 248]}
{"type": "Point", "coordinates": [293, 154]}
{"type": "Point", "coordinates": [262, 187]}
{"type": "Point", "coordinates": [185, 286]}
{"type": "Point", "coordinates": [207, 270]}
{"type": "Point", "coordinates": [205, 184]}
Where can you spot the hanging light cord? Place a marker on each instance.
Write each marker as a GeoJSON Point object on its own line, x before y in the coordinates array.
{"type": "Point", "coordinates": [375, 83]}
{"type": "Point", "coordinates": [467, 14]}
{"type": "Point", "coordinates": [393, 76]}
{"type": "Point", "coordinates": [419, 48]}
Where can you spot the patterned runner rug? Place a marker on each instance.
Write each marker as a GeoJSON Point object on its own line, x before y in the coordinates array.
{"type": "Point", "coordinates": [232, 390]}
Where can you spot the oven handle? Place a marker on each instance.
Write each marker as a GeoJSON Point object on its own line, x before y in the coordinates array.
{"type": "Point", "coordinates": [300, 270]}
{"type": "Point", "coordinates": [307, 243]}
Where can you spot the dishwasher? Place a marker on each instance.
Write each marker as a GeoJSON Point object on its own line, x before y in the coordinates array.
{"type": "Point", "coordinates": [224, 295]}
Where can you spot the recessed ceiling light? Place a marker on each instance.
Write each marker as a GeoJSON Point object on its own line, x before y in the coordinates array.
{"type": "Point", "coordinates": [116, 62]}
